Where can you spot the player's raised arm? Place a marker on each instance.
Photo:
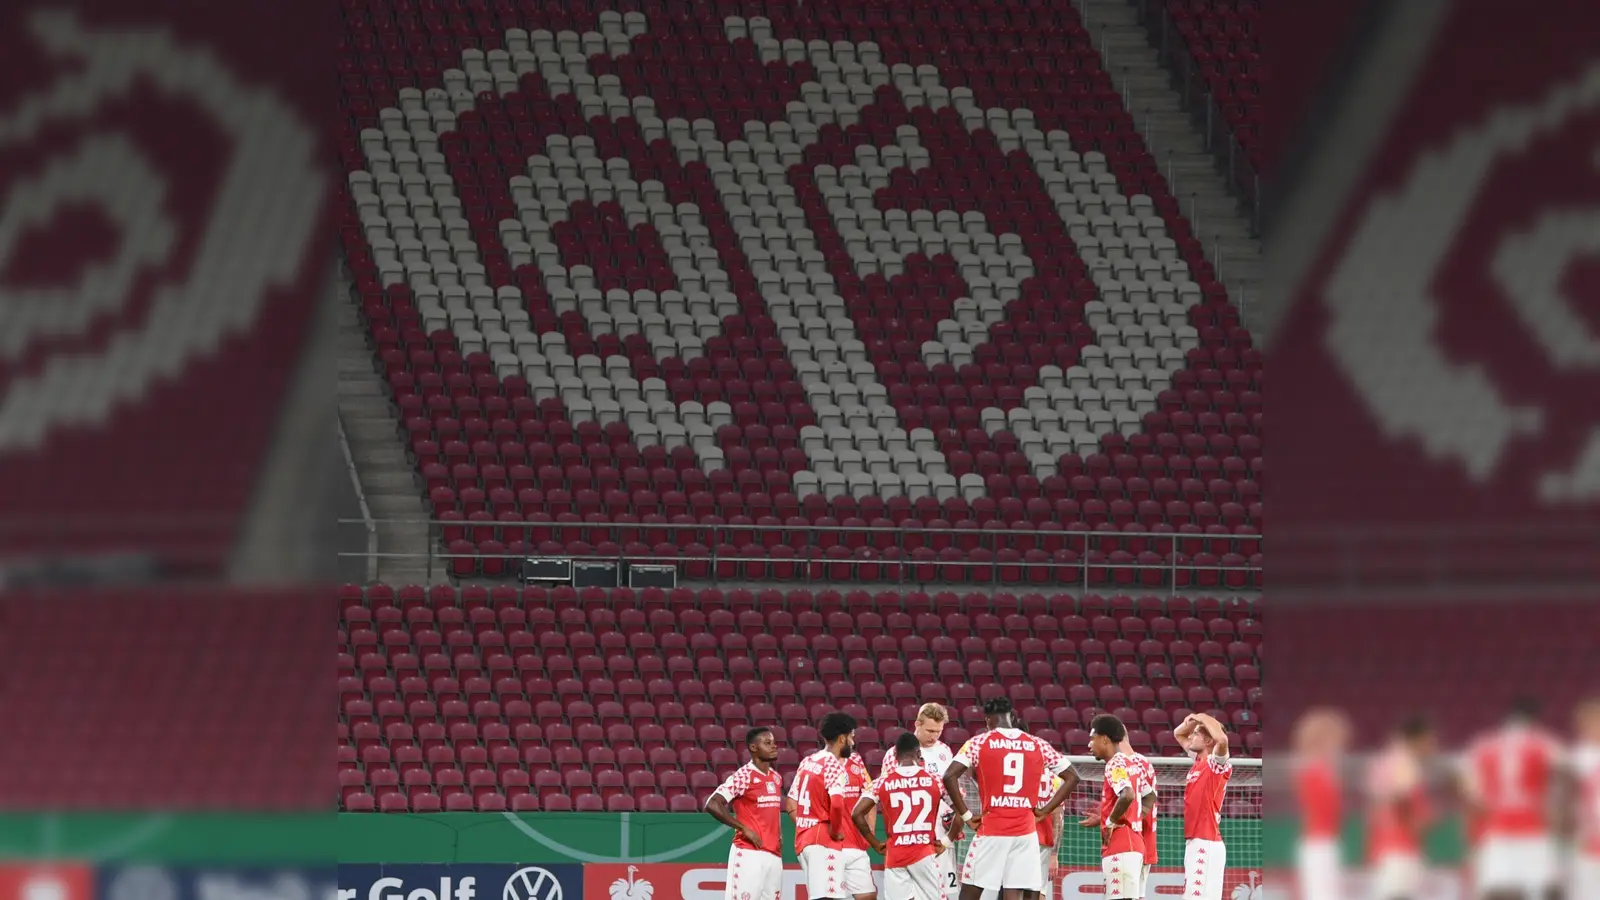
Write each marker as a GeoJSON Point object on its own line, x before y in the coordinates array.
{"type": "Point", "coordinates": [1213, 729]}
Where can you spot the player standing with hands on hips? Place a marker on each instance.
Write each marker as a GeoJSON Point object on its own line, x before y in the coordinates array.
{"type": "Point", "coordinates": [749, 803]}
{"type": "Point", "coordinates": [1205, 858]}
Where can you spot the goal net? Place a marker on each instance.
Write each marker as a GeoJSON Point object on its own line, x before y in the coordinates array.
{"type": "Point", "coordinates": [1078, 848]}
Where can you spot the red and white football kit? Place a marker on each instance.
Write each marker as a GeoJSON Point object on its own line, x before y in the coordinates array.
{"type": "Point", "coordinates": [1047, 835]}
{"type": "Point", "coordinates": [1205, 857]}
{"type": "Point", "coordinates": [908, 798]}
{"type": "Point", "coordinates": [1511, 772]}
{"type": "Point", "coordinates": [1143, 785]}
{"type": "Point", "coordinates": [813, 820]}
{"type": "Point", "coordinates": [1586, 861]}
{"type": "Point", "coordinates": [756, 799]}
{"type": "Point", "coordinates": [1394, 845]}
{"type": "Point", "coordinates": [848, 784]}
{"type": "Point", "coordinates": [1317, 792]}
{"type": "Point", "coordinates": [1008, 764]}
{"type": "Point", "coordinates": [936, 758]}
{"type": "Point", "coordinates": [1122, 846]}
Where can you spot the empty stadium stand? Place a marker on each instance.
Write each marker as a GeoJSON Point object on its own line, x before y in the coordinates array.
{"type": "Point", "coordinates": [778, 266]}
{"type": "Point", "coordinates": [169, 698]}
{"type": "Point", "coordinates": [495, 698]}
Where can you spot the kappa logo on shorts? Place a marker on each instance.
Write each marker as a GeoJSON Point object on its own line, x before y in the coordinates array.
{"type": "Point", "coordinates": [1415, 381]}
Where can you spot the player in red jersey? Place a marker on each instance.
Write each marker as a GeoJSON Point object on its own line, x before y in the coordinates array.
{"type": "Point", "coordinates": [1586, 772]}
{"type": "Point", "coordinates": [817, 838]}
{"type": "Point", "coordinates": [1510, 778]}
{"type": "Point", "coordinates": [936, 756]}
{"type": "Point", "coordinates": [1008, 764]}
{"type": "Point", "coordinates": [848, 785]}
{"type": "Point", "coordinates": [1145, 784]}
{"type": "Point", "coordinates": [749, 802]}
{"type": "Point", "coordinates": [1320, 739]}
{"type": "Point", "coordinates": [1049, 833]}
{"type": "Point", "coordinates": [910, 796]}
{"type": "Point", "coordinates": [1120, 817]}
{"type": "Point", "coordinates": [1205, 857]}
{"type": "Point", "coordinates": [1400, 811]}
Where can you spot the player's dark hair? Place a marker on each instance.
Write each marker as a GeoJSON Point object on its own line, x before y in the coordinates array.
{"type": "Point", "coordinates": [754, 734]}
{"type": "Point", "coordinates": [1524, 708]}
{"type": "Point", "coordinates": [997, 706]}
{"type": "Point", "coordinates": [1110, 726]}
{"type": "Point", "coordinates": [835, 724]}
{"type": "Point", "coordinates": [1415, 726]}
{"type": "Point", "coordinates": [907, 745]}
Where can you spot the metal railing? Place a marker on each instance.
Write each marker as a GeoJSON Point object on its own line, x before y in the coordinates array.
{"type": "Point", "coordinates": [361, 498]}
{"type": "Point", "coordinates": [1202, 105]}
{"type": "Point", "coordinates": [800, 553]}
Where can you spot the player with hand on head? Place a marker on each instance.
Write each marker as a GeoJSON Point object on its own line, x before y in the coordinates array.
{"type": "Point", "coordinates": [1120, 815]}
{"type": "Point", "coordinates": [749, 803]}
{"type": "Point", "coordinates": [1586, 800]}
{"type": "Point", "coordinates": [1008, 765]}
{"type": "Point", "coordinates": [1205, 857]}
{"type": "Point", "coordinates": [818, 838]}
{"type": "Point", "coordinates": [1510, 779]}
{"type": "Point", "coordinates": [936, 756]}
{"type": "Point", "coordinates": [910, 796]}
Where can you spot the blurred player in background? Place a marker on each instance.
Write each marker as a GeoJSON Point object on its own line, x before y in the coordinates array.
{"type": "Point", "coordinates": [1320, 740]}
{"type": "Point", "coordinates": [911, 796]}
{"type": "Point", "coordinates": [1121, 846]}
{"type": "Point", "coordinates": [936, 756]}
{"type": "Point", "coordinates": [1400, 811]}
{"type": "Point", "coordinates": [1205, 857]}
{"type": "Point", "coordinates": [817, 838]}
{"type": "Point", "coordinates": [748, 802]}
{"type": "Point", "coordinates": [1509, 779]}
{"type": "Point", "coordinates": [848, 785]}
{"type": "Point", "coordinates": [1008, 765]}
{"type": "Point", "coordinates": [1585, 879]}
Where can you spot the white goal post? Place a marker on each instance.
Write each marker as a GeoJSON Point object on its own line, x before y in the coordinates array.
{"type": "Point", "coordinates": [1078, 848]}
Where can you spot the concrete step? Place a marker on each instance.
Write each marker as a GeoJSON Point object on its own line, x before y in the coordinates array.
{"type": "Point", "coordinates": [365, 385]}
{"type": "Point", "coordinates": [366, 406]}
{"type": "Point", "coordinates": [362, 429]}
{"type": "Point", "coordinates": [382, 479]}
{"type": "Point", "coordinates": [356, 365]}
{"type": "Point", "coordinates": [381, 453]}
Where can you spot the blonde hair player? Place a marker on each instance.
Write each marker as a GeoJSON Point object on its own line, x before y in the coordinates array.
{"type": "Point", "coordinates": [928, 728]}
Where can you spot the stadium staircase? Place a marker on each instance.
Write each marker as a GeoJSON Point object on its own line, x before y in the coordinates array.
{"type": "Point", "coordinates": [1218, 219]}
{"type": "Point", "coordinates": [387, 476]}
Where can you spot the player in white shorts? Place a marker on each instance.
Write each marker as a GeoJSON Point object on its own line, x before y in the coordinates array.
{"type": "Point", "coordinates": [1008, 765]}
{"type": "Point", "coordinates": [936, 756]}
{"type": "Point", "coordinates": [1509, 779]}
{"type": "Point", "coordinates": [909, 795]}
